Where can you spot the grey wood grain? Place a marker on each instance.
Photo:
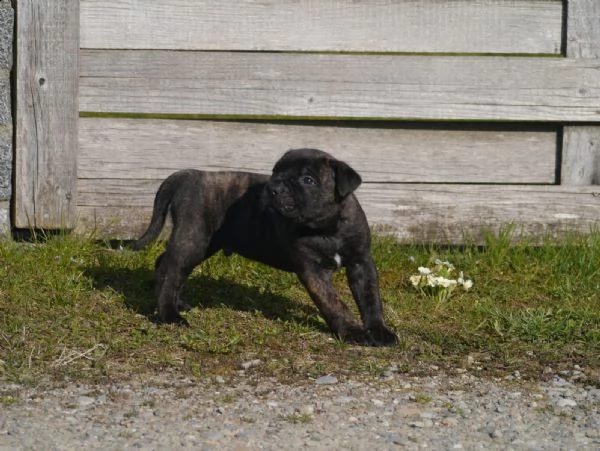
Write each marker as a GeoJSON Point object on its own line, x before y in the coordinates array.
{"type": "Point", "coordinates": [416, 212]}
{"type": "Point", "coordinates": [352, 86]}
{"type": "Point", "coordinates": [492, 26]}
{"type": "Point", "coordinates": [46, 113]}
{"type": "Point", "coordinates": [581, 156]}
{"type": "Point", "coordinates": [581, 144]}
{"type": "Point", "coordinates": [583, 29]}
{"type": "Point", "coordinates": [150, 148]}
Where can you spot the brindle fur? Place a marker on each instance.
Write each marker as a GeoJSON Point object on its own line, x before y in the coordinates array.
{"type": "Point", "coordinates": [310, 229]}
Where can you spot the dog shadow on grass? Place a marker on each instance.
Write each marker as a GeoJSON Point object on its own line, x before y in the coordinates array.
{"type": "Point", "coordinates": [201, 291]}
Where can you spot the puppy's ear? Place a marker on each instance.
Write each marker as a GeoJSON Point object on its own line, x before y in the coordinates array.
{"type": "Point", "coordinates": [346, 178]}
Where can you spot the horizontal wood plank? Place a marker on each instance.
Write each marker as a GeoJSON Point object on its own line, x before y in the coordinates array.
{"type": "Point", "coordinates": [350, 86]}
{"type": "Point", "coordinates": [152, 149]}
{"type": "Point", "coordinates": [449, 213]}
{"type": "Point", "coordinates": [424, 213]}
{"type": "Point", "coordinates": [492, 26]}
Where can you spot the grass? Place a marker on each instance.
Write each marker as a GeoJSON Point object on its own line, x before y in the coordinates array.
{"type": "Point", "coordinates": [75, 309]}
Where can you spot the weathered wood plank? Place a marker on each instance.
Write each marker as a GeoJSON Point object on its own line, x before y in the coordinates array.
{"type": "Point", "coordinates": [352, 86]}
{"type": "Point", "coordinates": [152, 149]}
{"type": "Point", "coordinates": [493, 26]}
{"type": "Point", "coordinates": [581, 145]}
{"type": "Point", "coordinates": [583, 31]}
{"type": "Point", "coordinates": [581, 156]}
{"type": "Point", "coordinates": [46, 113]}
{"type": "Point", "coordinates": [430, 213]}
{"type": "Point", "coordinates": [4, 218]}
{"type": "Point", "coordinates": [418, 212]}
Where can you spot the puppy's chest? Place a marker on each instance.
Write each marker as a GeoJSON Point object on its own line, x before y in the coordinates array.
{"type": "Point", "coordinates": [326, 254]}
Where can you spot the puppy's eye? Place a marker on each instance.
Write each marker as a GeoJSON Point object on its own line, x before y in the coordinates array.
{"type": "Point", "coordinates": [308, 180]}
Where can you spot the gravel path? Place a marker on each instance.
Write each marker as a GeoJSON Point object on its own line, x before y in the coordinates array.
{"type": "Point", "coordinates": [395, 411]}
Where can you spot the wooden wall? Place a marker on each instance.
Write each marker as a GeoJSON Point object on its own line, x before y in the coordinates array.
{"type": "Point", "coordinates": [461, 116]}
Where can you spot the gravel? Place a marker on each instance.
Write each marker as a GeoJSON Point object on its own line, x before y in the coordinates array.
{"type": "Point", "coordinates": [394, 411]}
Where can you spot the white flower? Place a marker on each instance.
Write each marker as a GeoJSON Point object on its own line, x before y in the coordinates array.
{"type": "Point", "coordinates": [415, 280]}
{"type": "Point", "coordinates": [445, 263]}
{"type": "Point", "coordinates": [432, 280]}
{"type": "Point", "coordinates": [446, 283]}
{"type": "Point", "coordinates": [424, 271]}
{"type": "Point", "coordinates": [466, 284]}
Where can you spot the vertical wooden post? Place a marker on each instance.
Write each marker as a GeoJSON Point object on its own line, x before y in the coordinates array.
{"type": "Point", "coordinates": [46, 138]}
{"type": "Point", "coordinates": [581, 144]}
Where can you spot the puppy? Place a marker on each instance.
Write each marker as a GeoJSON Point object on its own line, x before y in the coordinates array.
{"type": "Point", "coordinates": [304, 218]}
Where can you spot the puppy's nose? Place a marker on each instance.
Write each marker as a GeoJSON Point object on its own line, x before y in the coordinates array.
{"type": "Point", "coordinates": [277, 187]}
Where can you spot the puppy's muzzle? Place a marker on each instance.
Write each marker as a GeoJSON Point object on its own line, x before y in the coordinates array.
{"type": "Point", "coordinates": [280, 196]}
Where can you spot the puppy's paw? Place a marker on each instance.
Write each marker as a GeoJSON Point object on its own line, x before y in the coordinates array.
{"type": "Point", "coordinates": [381, 336]}
{"type": "Point", "coordinates": [173, 318]}
{"type": "Point", "coordinates": [351, 333]}
{"type": "Point", "coordinates": [183, 306]}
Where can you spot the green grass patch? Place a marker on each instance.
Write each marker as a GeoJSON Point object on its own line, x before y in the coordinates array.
{"type": "Point", "coordinates": [73, 308]}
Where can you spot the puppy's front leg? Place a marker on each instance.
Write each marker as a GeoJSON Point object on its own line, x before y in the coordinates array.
{"type": "Point", "coordinates": [362, 278]}
{"type": "Point", "coordinates": [340, 320]}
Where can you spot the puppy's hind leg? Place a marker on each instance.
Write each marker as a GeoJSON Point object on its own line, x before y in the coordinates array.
{"type": "Point", "coordinates": [172, 269]}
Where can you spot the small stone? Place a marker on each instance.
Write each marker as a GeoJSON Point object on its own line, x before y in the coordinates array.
{"type": "Point", "coordinates": [345, 399]}
{"type": "Point", "coordinates": [496, 433]}
{"type": "Point", "coordinates": [421, 424]}
{"type": "Point", "coordinates": [214, 437]}
{"type": "Point", "coordinates": [219, 380]}
{"type": "Point", "coordinates": [399, 440]}
{"type": "Point", "coordinates": [566, 402]}
{"type": "Point", "coordinates": [560, 382]}
{"type": "Point", "coordinates": [85, 401]}
{"type": "Point", "coordinates": [306, 410]}
{"type": "Point", "coordinates": [326, 380]}
{"type": "Point", "coordinates": [377, 402]}
{"type": "Point", "coordinates": [595, 434]}
{"type": "Point", "coordinates": [450, 422]}
{"type": "Point", "coordinates": [242, 435]}
{"type": "Point", "coordinates": [250, 364]}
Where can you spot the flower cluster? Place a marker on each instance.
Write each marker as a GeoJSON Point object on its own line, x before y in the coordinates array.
{"type": "Point", "coordinates": [438, 282]}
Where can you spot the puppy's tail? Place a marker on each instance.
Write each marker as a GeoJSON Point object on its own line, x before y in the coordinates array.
{"type": "Point", "coordinates": [162, 202]}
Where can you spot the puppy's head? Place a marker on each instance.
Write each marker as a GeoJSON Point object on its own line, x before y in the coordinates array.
{"type": "Point", "coordinates": [308, 186]}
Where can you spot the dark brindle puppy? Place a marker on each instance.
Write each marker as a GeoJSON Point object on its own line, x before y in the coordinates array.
{"type": "Point", "coordinates": [304, 219]}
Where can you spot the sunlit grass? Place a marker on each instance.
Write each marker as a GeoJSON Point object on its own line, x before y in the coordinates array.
{"type": "Point", "coordinates": [72, 307]}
